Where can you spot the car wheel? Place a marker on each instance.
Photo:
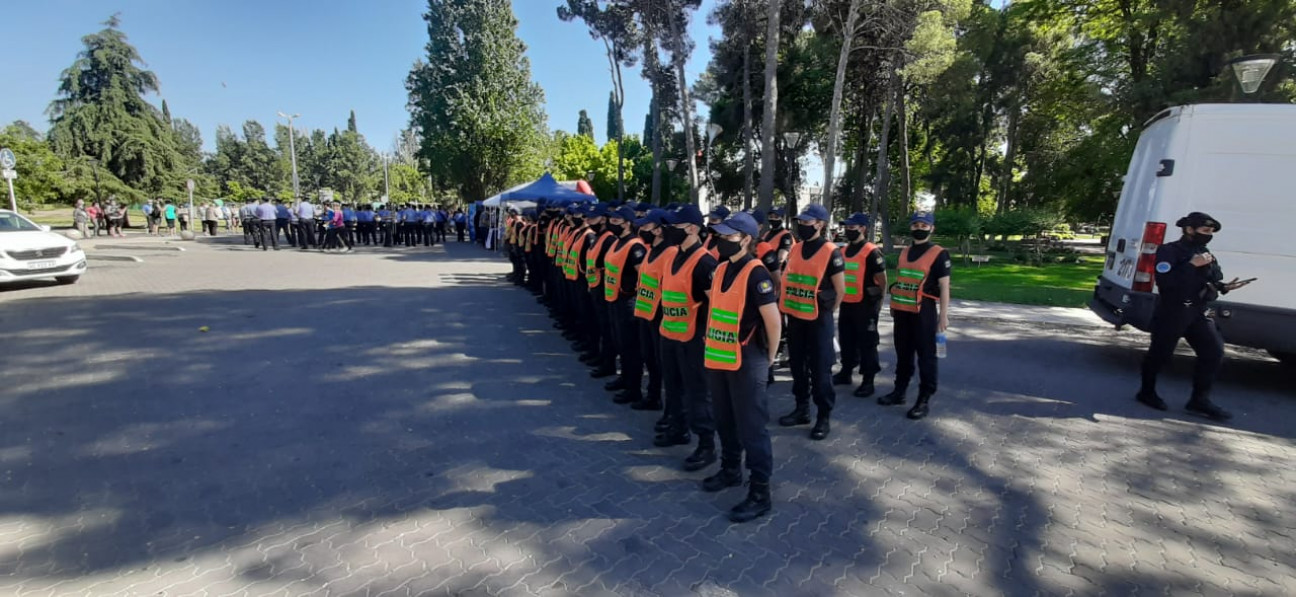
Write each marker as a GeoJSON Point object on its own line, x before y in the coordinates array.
{"type": "Point", "coordinates": [67, 280]}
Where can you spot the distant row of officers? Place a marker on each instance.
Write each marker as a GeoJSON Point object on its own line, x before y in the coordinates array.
{"type": "Point", "coordinates": [703, 304]}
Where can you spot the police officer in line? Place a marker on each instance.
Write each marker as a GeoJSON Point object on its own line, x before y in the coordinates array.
{"type": "Point", "coordinates": [283, 222]}
{"type": "Point", "coordinates": [247, 215]}
{"type": "Point", "coordinates": [686, 288]}
{"type": "Point", "coordinates": [386, 223]}
{"type": "Point", "coordinates": [305, 217]}
{"type": "Point", "coordinates": [1188, 279]}
{"type": "Point", "coordinates": [365, 224]}
{"type": "Point", "coordinates": [266, 213]}
{"type": "Point", "coordinates": [647, 307]}
{"type": "Point", "coordinates": [857, 325]}
{"type": "Point", "coordinates": [717, 215]}
{"type": "Point", "coordinates": [768, 255]}
{"type": "Point", "coordinates": [742, 332]}
{"type": "Point", "coordinates": [600, 244]}
{"type": "Point", "coordinates": [812, 288]}
{"type": "Point", "coordinates": [922, 279]}
{"type": "Point", "coordinates": [621, 261]}
{"type": "Point", "coordinates": [778, 237]}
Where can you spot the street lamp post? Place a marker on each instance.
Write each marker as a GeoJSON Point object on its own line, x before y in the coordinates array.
{"type": "Point", "coordinates": [1250, 71]}
{"type": "Point", "coordinates": [713, 131]}
{"type": "Point", "coordinates": [670, 167]}
{"type": "Point", "coordinates": [292, 148]}
{"type": "Point", "coordinates": [793, 142]}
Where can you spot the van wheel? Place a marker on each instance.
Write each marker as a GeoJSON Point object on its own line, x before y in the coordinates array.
{"type": "Point", "coordinates": [1287, 358]}
{"type": "Point", "coordinates": [67, 280]}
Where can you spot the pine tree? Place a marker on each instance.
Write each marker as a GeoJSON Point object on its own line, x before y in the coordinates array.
{"type": "Point", "coordinates": [615, 127]}
{"type": "Point", "coordinates": [585, 126]}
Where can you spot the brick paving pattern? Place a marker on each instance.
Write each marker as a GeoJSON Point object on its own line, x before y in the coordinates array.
{"type": "Point", "coordinates": [403, 423]}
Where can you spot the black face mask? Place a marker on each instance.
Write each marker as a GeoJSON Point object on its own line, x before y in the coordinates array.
{"type": "Point", "coordinates": [615, 229]}
{"type": "Point", "coordinates": [1201, 239]}
{"type": "Point", "coordinates": [853, 235]}
{"type": "Point", "coordinates": [647, 236]}
{"type": "Point", "coordinates": [727, 248]}
{"type": "Point", "coordinates": [577, 222]}
{"type": "Point", "coordinates": [920, 234]}
{"type": "Point", "coordinates": [674, 236]}
{"type": "Point", "coordinates": [776, 224]}
{"type": "Point", "coordinates": [806, 231]}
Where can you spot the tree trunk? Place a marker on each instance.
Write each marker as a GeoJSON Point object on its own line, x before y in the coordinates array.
{"type": "Point", "coordinates": [618, 88]}
{"type": "Point", "coordinates": [1010, 156]}
{"type": "Point", "coordinates": [902, 124]}
{"type": "Point", "coordinates": [771, 107]}
{"type": "Point", "coordinates": [656, 151]}
{"type": "Point", "coordinates": [686, 112]}
{"type": "Point", "coordinates": [834, 113]}
{"type": "Point", "coordinates": [883, 177]}
{"type": "Point", "coordinates": [861, 162]}
{"type": "Point", "coordinates": [749, 160]}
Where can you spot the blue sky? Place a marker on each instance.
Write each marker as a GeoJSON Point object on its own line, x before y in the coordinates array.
{"type": "Point", "coordinates": [235, 60]}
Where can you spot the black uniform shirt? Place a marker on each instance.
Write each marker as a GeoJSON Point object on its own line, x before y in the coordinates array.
{"type": "Point", "coordinates": [760, 292]}
{"type": "Point", "coordinates": [701, 274]}
{"type": "Point", "coordinates": [836, 265]}
{"type": "Point", "coordinates": [874, 265]}
{"type": "Point", "coordinates": [1178, 280]}
{"type": "Point", "coordinates": [939, 269]}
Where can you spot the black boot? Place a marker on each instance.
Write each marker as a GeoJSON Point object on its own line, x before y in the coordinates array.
{"type": "Point", "coordinates": [756, 505]}
{"type": "Point", "coordinates": [662, 425]}
{"type": "Point", "coordinates": [799, 416]}
{"type": "Point", "coordinates": [920, 408]}
{"type": "Point", "coordinates": [647, 403]}
{"type": "Point", "coordinates": [1151, 399]}
{"type": "Point", "coordinates": [727, 477]}
{"type": "Point", "coordinates": [821, 428]}
{"type": "Point", "coordinates": [603, 372]}
{"type": "Point", "coordinates": [590, 358]}
{"type": "Point", "coordinates": [627, 396]}
{"type": "Point", "coordinates": [1201, 405]}
{"type": "Point", "coordinates": [865, 389]}
{"type": "Point", "coordinates": [616, 384]}
{"type": "Point", "coordinates": [896, 397]}
{"type": "Point", "coordinates": [842, 378]}
{"type": "Point", "coordinates": [702, 457]}
{"type": "Point", "coordinates": [670, 438]}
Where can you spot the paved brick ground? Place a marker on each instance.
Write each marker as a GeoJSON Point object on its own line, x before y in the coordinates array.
{"type": "Point", "coordinates": [401, 423]}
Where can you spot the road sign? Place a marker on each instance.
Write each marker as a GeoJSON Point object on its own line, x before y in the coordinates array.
{"type": "Point", "coordinates": [189, 184]}
{"type": "Point", "coordinates": [9, 174]}
{"type": "Point", "coordinates": [7, 159]}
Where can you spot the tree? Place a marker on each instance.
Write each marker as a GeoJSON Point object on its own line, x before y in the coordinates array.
{"type": "Point", "coordinates": [101, 112]}
{"type": "Point", "coordinates": [40, 170]}
{"type": "Point", "coordinates": [472, 99]}
{"type": "Point", "coordinates": [770, 109]}
{"type": "Point", "coordinates": [351, 123]}
{"type": "Point", "coordinates": [585, 126]}
{"type": "Point", "coordinates": [611, 21]}
{"type": "Point", "coordinates": [615, 127]}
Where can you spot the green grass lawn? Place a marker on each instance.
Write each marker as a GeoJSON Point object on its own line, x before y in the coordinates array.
{"type": "Point", "coordinates": [1057, 284]}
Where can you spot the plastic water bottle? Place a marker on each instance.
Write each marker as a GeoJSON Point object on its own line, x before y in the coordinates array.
{"type": "Point", "coordinates": [940, 345]}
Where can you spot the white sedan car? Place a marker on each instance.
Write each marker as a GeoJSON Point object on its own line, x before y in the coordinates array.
{"type": "Point", "coordinates": [29, 251]}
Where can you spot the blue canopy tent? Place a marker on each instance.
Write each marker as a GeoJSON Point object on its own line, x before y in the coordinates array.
{"type": "Point", "coordinates": [546, 188]}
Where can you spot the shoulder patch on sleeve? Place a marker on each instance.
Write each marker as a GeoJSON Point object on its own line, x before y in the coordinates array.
{"type": "Point", "coordinates": [765, 287]}
{"type": "Point", "coordinates": [948, 264]}
{"type": "Point", "coordinates": [880, 260]}
{"type": "Point", "coordinates": [638, 253]}
{"type": "Point", "coordinates": [837, 261]}
{"type": "Point", "coordinates": [1163, 267]}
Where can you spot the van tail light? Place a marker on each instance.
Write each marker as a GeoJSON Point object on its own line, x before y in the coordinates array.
{"type": "Point", "coordinates": [1145, 273]}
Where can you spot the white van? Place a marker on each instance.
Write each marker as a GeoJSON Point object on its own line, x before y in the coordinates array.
{"type": "Point", "coordinates": [1236, 162]}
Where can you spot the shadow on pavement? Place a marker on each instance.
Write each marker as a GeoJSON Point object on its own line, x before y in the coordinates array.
{"type": "Point", "coordinates": [326, 429]}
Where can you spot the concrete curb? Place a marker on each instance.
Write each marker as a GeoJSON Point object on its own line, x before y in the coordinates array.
{"type": "Point", "coordinates": [130, 258]}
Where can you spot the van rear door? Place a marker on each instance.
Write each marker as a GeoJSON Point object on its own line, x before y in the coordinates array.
{"type": "Point", "coordinates": [1152, 163]}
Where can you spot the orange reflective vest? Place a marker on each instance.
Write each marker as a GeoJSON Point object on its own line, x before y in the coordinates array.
{"type": "Point", "coordinates": [613, 264]}
{"type": "Point", "coordinates": [801, 279]}
{"type": "Point", "coordinates": [906, 293]}
{"type": "Point", "coordinates": [679, 310]}
{"type": "Point", "coordinates": [532, 234]}
{"type": "Point", "coordinates": [565, 259]}
{"type": "Point", "coordinates": [711, 246]}
{"type": "Point", "coordinates": [552, 234]}
{"type": "Point", "coordinates": [762, 249]}
{"type": "Point", "coordinates": [723, 347]}
{"type": "Point", "coordinates": [594, 275]}
{"type": "Point", "coordinates": [651, 272]}
{"type": "Point", "coordinates": [855, 268]}
{"type": "Point", "coordinates": [775, 238]}
{"type": "Point", "coordinates": [570, 247]}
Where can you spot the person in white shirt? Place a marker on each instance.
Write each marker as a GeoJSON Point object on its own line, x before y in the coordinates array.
{"type": "Point", "coordinates": [305, 213]}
